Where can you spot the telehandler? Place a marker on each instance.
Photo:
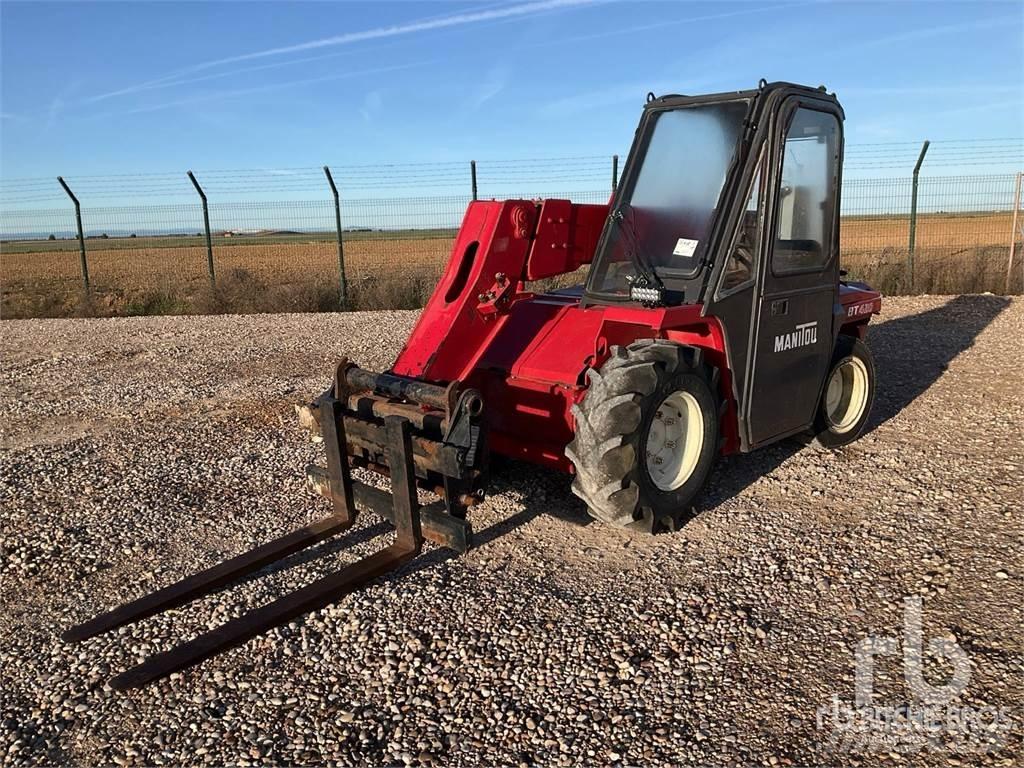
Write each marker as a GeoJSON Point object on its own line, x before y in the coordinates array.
{"type": "Point", "coordinates": [713, 320]}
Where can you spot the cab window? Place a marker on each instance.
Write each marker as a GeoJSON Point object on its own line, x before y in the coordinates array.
{"type": "Point", "coordinates": [806, 194]}
{"type": "Point", "coordinates": [739, 269]}
{"type": "Point", "coordinates": [663, 213]}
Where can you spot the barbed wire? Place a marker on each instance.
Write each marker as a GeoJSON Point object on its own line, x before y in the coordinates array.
{"type": "Point", "coordinates": [448, 175]}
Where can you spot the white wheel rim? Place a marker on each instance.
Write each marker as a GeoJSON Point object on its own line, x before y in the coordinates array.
{"type": "Point", "coordinates": [674, 441]}
{"type": "Point", "coordinates": [846, 395]}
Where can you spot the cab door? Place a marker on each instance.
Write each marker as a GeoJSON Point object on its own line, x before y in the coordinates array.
{"type": "Point", "coordinates": [791, 344]}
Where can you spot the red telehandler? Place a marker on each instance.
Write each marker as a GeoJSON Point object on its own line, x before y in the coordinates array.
{"type": "Point", "coordinates": [713, 320]}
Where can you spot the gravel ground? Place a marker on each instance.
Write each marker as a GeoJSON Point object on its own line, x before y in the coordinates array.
{"type": "Point", "coordinates": [136, 451]}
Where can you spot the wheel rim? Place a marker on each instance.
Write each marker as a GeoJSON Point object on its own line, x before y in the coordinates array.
{"type": "Point", "coordinates": [674, 441]}
{"type": "Point", "coordinates": [846, 395]}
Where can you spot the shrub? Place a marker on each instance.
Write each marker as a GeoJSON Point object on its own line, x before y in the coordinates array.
{"type": "Point", "coordinates": [155, 303]}
{"type": "Point", "coordinates": [396, 293]}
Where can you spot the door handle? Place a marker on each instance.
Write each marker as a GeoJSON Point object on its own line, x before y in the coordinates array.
{"type": "Point", "coordinates": [780, 307]}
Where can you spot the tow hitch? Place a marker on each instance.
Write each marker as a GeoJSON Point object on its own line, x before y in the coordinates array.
{"type": "Point", "coordinates": [420, 434]}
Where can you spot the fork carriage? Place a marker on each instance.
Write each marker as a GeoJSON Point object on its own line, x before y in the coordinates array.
{"type": "Point", "coordinates": [446, 453]}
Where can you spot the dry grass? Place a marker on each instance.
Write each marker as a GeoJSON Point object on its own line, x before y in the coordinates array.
{"type": "Point", "coordinates": [297, 276]}
{"type": "Point", "coordinates": [954, 254]}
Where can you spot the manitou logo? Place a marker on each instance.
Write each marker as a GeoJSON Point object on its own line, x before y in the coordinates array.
{"type": "Point", "coordinates": [804, 335]}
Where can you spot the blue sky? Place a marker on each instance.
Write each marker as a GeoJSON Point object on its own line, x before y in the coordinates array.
{"type": "Point", "coordinates": [112, 88]}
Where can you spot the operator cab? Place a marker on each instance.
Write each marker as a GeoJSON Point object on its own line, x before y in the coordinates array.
{"type": "Point", "coordinates": [731, 202]}
{"type": "Point", "coordinates": [692, 187]}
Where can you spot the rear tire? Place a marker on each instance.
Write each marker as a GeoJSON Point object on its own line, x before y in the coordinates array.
{"type": "Point", "coordinates": [646, 435]}
{"type": "Point", "coordinates": [848, 395]}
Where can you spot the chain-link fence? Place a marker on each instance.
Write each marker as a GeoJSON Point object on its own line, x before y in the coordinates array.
{"type": "Point", "coordinates": [958, 242]}
{"type": "Point", "coordinates": [288, 255]}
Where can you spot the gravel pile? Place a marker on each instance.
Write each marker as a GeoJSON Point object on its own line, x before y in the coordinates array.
{"type": "Point", "coordinates": [136, 451]}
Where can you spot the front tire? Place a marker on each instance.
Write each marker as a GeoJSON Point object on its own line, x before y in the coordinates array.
{"type": "Point", "coordinates": [848, 395]}
{"type": "Point", "coordinates": [646, 435]}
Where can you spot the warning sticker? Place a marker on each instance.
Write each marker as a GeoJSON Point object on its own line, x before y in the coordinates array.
{"type": "Point", "coordinates": [685, 247]}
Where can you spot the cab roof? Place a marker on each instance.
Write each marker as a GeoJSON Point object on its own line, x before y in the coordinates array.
{"type": "Point", "coordinates": [764, 89]}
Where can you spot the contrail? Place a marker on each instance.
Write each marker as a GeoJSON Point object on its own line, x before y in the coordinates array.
{"type": "Point", "coordinates": [402, 29]}
{"type": "Point", "coordinates": [172, 81]}
{"type": "Point", "coordinates": [215, 96]}
{"type": "Point", "coordinates": [424, 25]}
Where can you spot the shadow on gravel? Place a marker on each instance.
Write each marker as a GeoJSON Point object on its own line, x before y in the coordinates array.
{"type": "Point", "coordinates": [543, 491]}
{"type": "Point", "coordinates": [324, 549]}
{"type": "Point", "coordinates": [911, 353]}
{"type": "Point", "coordinates": [733, 474]}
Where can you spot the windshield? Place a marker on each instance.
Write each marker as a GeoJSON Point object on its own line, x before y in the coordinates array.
{"type": "Point", "coordinates": [666, 211]}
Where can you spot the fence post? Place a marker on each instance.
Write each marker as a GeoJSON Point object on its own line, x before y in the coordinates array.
{"type": "Point", "coordinates": [472, 173]}
{"type": "Point", "coordinates": [1014, 233]}
{"type": "Point", "coordinates": [83, 262]}
{"type": "Point", "coordinates": [913, 213]}
{"type": "Point", "coordinates": [342, 285]}
{"type": "Point", "coordinates": [615, 172]}
{"type": "Point", "coordinates": [206, 224]}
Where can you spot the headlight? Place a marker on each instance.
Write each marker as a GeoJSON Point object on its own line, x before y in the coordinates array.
{"type": "Point", "coordinates": [645, 294]}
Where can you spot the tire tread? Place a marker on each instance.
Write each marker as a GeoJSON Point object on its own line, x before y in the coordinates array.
{"type": "Point", "coordinates": [610, 414]}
